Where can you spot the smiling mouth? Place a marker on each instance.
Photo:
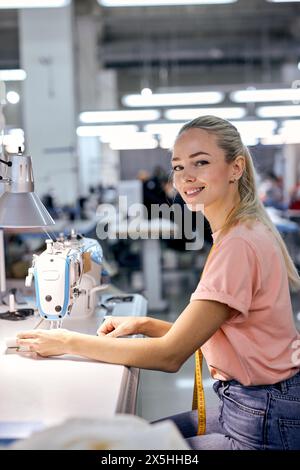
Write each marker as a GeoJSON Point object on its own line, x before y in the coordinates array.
{"type": "Point", "coordinates": [194, 192]}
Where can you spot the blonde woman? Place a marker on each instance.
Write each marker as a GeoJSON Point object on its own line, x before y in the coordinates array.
{"type": "Point", "coordinates": [240, 315]}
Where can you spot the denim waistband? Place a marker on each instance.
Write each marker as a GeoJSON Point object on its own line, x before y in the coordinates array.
{"type": "Point", "coordinates": [283, 385]}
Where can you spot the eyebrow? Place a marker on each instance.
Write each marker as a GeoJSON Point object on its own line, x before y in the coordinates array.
{"type": "Point", "coordinates": [196, 154]}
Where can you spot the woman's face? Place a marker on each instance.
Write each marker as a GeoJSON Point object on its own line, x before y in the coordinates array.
{"type": "Point", "coordinates": [200, 172]}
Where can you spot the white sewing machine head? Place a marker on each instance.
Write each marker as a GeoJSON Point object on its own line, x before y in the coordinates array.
{"type": "Point", "coordinates": [66, 276]}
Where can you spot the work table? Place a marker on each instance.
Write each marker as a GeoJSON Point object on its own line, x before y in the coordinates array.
{"type": "Point", "coordinates": [48, 391]}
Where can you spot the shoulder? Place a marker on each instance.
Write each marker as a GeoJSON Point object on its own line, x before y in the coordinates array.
{"type": "Point", "coordinates": [247, 244]}
{"type": "Point", "coordinates": [253, 235]}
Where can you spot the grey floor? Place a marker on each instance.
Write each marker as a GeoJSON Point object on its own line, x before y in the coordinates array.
{"type": "Point", "coordinates": [162, 394]}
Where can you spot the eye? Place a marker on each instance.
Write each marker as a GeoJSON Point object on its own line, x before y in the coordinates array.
{"type": "Point", "coordinates": [201, 162]}
{"type": "Point", "coordinates": [177, 167]}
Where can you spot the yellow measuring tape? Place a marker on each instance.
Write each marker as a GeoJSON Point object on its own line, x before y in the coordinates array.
{"type": "Point", "coordinates": [198, 395]}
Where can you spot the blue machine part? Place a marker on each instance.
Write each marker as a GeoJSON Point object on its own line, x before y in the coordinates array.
{"type": "Point", "coordinates": [93, 247]}
{"type": "Point", "coordinates": [63, 311]}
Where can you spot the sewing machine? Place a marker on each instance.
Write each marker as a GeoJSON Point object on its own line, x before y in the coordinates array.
{"type": "Point", "coordinates": [67, 276]}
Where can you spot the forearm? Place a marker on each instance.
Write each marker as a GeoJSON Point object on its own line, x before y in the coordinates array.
{"type": "Point", "coordinates": [145, 353]}
{"type": "Point", "coordinates": [153, 327]}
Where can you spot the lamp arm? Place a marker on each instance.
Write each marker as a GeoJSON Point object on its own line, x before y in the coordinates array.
{"type": "Point", "coordinates": [8, 163]}
{"type": "Point", "coordinates": [5, 162]}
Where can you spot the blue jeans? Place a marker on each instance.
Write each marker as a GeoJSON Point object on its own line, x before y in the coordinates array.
{"type": "Point", "coordinates": [265, 417]}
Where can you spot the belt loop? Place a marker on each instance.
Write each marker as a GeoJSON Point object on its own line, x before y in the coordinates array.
{"type": "Point", "coordinates": [284, 386]}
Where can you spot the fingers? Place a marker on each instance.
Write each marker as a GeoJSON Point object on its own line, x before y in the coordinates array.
{"type": "Point", "coordinates": [106, 327]}
{"type": "Point", "coordinates": [115, 333]}
{"type": "Point", "coordinates": [28, 344]}
{"type": "Point", "coordinates": [27, 334]}
{"type": "Point", "coordinates": [112, 332]}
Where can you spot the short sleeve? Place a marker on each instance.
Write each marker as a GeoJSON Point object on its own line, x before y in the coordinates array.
{"type": "Point", "coordinates": [231, 275]}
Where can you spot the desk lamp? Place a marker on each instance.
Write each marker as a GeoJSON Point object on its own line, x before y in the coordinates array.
{"type": "Point", "coordinates": [20, 208]}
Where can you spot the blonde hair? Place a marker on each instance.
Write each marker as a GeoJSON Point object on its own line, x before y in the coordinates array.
{"type": "Point", "coordinates": [250, 207]}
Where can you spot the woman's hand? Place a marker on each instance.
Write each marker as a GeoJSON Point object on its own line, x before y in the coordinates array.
{"type": "Point", "coordinates": [120, 326]}
{"type": "Point", "coordinates": [45, 342]}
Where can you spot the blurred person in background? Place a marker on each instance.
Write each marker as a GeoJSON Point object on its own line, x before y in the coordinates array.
{"type": "Point", "coordinates": [271, 192]}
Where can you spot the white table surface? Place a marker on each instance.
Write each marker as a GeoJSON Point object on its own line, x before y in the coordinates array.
{"type": "Point", "coordinates": [50, 390]}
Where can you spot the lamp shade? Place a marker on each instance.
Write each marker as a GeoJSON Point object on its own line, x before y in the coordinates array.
{"type": "Point", "coordinates": [20, 207]}
{"type": "Point", "coordinates": [23, 210]}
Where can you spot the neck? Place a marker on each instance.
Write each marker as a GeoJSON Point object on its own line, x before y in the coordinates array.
{"type": "Point", "coordinates": [218, 213]}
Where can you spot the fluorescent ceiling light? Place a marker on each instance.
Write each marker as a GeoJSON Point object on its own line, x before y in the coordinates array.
{"type": "Point", "coordinates": [250, 141]}
{"type": "Point", "coordinates": [192, 113]}
{"type": "Point", "coordinates": [255, 124]}
{"type": "Point", "coordinates": [164, 128]}
{"type": "Point", "coordinates": [250, 131]}
{"type": "Point", "coordinates": [12, 75]}
{"type": "Point", "coordinates": [257, 127]}
{"type": "Point", "coordinates": [90, 117]}
{"type": "Point", "coordinates": [17, 132]}
{"type": "Point", "coordinates": [278, 111]}
{"type": "Point", "coordinates": [134, 142]}
{"type": "Point", "coordinates": [167, 132]}
{"type": "Point", "coordinates": [172, 99]}
{"type": "Point", "coordinates": [107, 137]}
{"type": "Point", "coordinates": [273, 140]}
{"type": "Point", "coordinates": [146, 91]}
{"type": "Point", "coordinates": [291, 124]}
{"type": "Point", "coordinates": [9, 4]}
{"type": "Point", "coordinates": [283, 1]}
{"type": "Point", "coordinates": [154, 3]}
{"type": "Point", "coordinates": [13, 97]}
{"type": "Point", "coordinates": [98, 131]}
{"type": "Point", "coordinates": [166, 143]}
{"type": "Point", "coordinates": [254, 96]}
{"type": "Point", "coordinates": [289, 131]}
{"type": "Point", "coordinates": [12, 140]}
{"type": "Point", "coordinates": [281, 140]}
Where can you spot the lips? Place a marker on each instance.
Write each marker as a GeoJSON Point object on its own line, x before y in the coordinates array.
{"type": "Point", "coordinates": [194, 191]}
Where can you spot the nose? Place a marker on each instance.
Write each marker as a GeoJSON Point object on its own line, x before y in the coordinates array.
{"type": "Point", "coordinates": [188, 177]}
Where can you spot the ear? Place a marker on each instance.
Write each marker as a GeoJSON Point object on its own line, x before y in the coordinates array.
{"type": "Point", "coordinates": [238, 167]}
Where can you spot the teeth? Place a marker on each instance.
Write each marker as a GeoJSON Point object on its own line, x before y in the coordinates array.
{"type": "Point", "coordinates": [192, 191]}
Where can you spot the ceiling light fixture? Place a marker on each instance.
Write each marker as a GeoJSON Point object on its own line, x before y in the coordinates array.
{"type": "Point", "coordinates": [253, 96]}
{"type": "Point", "coordinates": [283, 1]}
{"type": "Point", "coordinates": [256, 124]}
{"type": "Point", "coordinates": [9, 4]}
{"type": "Point", "coordinates": [13, 97]}
{"type": "Point", "coordinates": [146, 91]}
{"type": "Point", "coordinates": [291, 123]}
{"type": "Point", "coordinates": [192, 113]}
{"type": "Point", "coordinates": [155, 3]}
{"type": "Point", "coordinates": [172, 99]}
{"type": "Point", "coordinates": [99, 131]}
{"type": "Point", "coordinates": [138, 141]}
{"type": "Point", "coordinates": [12, 75]}
{"type": "Point", "coordinates": [90, 117]}
{"type": "Point", "coordinates": [278, 111]}
{"type": "Point", "coordinates": [255, 129]}
{"type": "Point", "coordinates": [164, 127]}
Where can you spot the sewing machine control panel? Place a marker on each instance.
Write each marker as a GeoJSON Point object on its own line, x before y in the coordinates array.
{"type": "Point", "coordinates": [124, 305]}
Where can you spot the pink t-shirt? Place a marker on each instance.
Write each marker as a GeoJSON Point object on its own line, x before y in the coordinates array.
{"type": "Point", "coordinates": [246, 271]}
